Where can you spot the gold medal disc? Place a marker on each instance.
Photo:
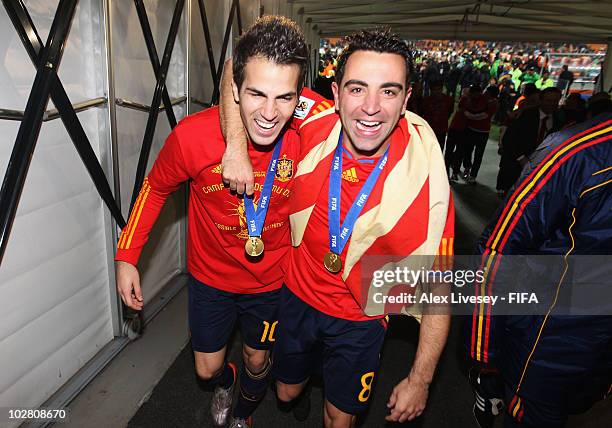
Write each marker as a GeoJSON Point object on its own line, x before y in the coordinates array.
{"type": "Point", "coordinates": [254, 246]}
{"type": "Point", "coordinates": [332, 262]}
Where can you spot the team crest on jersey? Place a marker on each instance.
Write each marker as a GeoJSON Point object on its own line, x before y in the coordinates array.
{"type": "Point", "coordinates": [350, 175]}
{"type": "Point", "coordinates": [303, 107]}
{"type": "Point", "coordinates": [284, 169]}
{"type": "Point", "coordinates": [216, 170]}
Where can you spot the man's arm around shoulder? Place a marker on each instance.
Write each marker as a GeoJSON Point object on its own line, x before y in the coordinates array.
{"type": "Point", "coordinates": [236, 165]}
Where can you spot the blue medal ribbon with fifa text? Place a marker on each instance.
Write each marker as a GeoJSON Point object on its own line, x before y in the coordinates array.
{"type": "Point", "coordinates": [255, 219]}
{"type": "Point", "coordinates": [339, 235]}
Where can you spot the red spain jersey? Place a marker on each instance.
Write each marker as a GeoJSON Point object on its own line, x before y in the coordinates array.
{"type": "Point", "coordinates": [307, 277]}
{"type": "Point", "coordinates": [459, 121]}
{"type": "Point", "coordinates": [437, 110]}
{"type": "Point", "coordinates": [217, 226]}
{"type": "Point", "coordinates": [409, 210]}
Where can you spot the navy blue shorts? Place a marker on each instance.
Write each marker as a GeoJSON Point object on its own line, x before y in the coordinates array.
{"type": "Point", "coordinates": [348, 350]}
{"type": "Point", "coordinates": [213, 314]}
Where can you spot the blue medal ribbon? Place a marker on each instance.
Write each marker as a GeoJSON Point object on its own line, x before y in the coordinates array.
{"type": "Point", "coordinates": [256, 219]}
{"type": "Point", "coordinates": [339, 237]}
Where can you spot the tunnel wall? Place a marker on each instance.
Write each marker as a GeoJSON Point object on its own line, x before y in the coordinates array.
{"type": "Point", "coordinates": [59, 309]}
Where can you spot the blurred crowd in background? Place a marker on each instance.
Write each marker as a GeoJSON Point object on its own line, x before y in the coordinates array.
{"type": "Point", "coordinates": [514, 93]}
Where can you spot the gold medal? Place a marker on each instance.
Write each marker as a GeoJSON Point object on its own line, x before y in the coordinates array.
{"type": "Point", "coordinates": [332, 262]}
{"type": "Point", "coordinates": [254, 246]}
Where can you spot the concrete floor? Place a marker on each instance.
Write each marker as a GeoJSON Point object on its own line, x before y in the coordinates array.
{"type": "Point", "coordinates": [129, 382]}
{"type": "Point", "coordinates": [117, 393]}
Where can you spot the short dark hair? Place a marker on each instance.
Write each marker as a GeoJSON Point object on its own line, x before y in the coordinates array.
{"type": "Point", "coordinates": [550, 90]}
{"type": "Point", "coordinates": [599, 96]}
{"type": "Point", "coordinates": [493, 91]}
{"type": "Point", "coordinates": [275, 38]}
{"type": "Point", "coordinates": [530, 89]}
{"type": "Point", "coordinates": [380, 40]}
{"type": "Point", "coordinates": [600, 106]}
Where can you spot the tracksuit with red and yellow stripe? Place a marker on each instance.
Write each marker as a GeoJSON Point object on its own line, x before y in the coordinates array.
{"type": "Point", "coordinates": [551, 364]}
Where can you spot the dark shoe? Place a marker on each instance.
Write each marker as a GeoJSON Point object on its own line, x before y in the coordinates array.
{"type": "Point", "coordinates": [301, 410]}
{"type": "Point", "coordinates": [486, 408]}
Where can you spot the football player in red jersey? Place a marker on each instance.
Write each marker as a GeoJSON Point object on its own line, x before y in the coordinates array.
{"type": "Point", "coordinates": [235, 246]}
{"type": "Point", "coordinates": [396, 203]}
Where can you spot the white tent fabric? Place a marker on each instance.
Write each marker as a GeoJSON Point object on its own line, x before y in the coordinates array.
{"type": "Point", "coordinates": [135, 81]}
{"type": "Point", "coordinates": [58, 305]}
{"type": "Point", "coordinates": [55, 307]}
{"type": "Point", "coordinates": [518, 20]}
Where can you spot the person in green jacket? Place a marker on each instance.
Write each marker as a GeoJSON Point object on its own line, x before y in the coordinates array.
{"type": "Point", "coordinates": [495, 67]}
{"type": "Point", "coordinates": [530, 77]}
{"type": "Point", "coordinates": [516, 74]}
{"type": "Point", "coordinates": [545, 81]}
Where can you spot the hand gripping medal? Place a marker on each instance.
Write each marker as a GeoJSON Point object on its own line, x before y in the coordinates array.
{"type": "Point", "coordinates": [254, 246]}
{"type": "Point", "coordinates": [338, 237]}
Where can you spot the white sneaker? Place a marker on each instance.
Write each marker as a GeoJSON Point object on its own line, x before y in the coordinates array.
{"type": "Point", "coordinates": [221, 403]}
{"type": "Point", "coordinates": [241, 423]}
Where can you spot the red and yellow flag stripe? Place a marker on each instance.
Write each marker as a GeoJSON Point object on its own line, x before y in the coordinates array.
{"type": "Point", "coordinates": [444, 258]}
{"type": "Point", "coordinates": [323, 105]}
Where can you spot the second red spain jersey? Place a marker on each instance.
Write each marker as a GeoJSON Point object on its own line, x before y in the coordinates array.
{"type": "Point", "coordinates": [217, 226]}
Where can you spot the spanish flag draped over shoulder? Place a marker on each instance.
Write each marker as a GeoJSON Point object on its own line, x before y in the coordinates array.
{"type": "Point", "coordinates": [409, 212]}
